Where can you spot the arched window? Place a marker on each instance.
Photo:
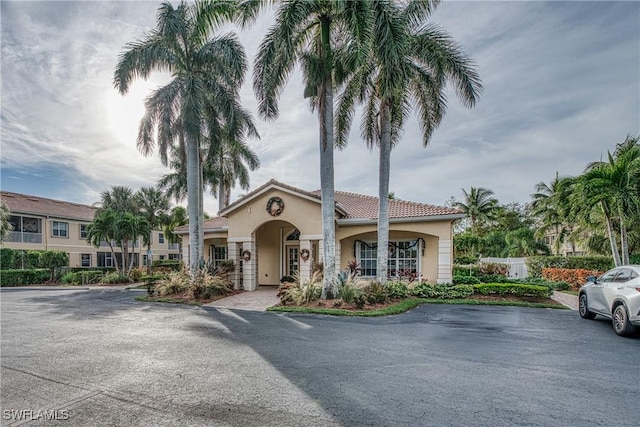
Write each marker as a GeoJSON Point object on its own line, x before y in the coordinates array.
{"type": "Point", "coordinates": [294, 235]}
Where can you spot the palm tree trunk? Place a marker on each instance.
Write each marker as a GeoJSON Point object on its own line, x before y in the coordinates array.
{"type": "Point", "coordinates": [383, 192]}
{"type": "Point", "coordinates": [326, 162]}
{"type": "Point", "coordinates": [612, 235]}
{"type": "Point", "coordinates": [221, 196]}
{"type": "Point", "coordinates": [193, 202]}
{"type": "Point", "coordinates": [113, 255]}
{"type": "Point", "coordinates": [624, 241]}
{"type": "Point", "coordinates": [148, 258]}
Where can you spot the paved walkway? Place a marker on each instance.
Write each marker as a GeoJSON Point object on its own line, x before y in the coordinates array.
{"type": "Point", "coordinates": [258, 300]}
{"type": "Point", "coordinates": [568, 300]}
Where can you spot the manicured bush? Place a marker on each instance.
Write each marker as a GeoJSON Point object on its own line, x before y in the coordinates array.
{"type": "Point", "coordinates": [23, 277]}
{"type": "Point", "coordinates": [465, 280]}
{"type": "Point", "coordinates": [535, 264]}
{"type": "Point", "coordinates": [493, 278]}
{"type": "Point", "coordinates": [575, 277]}
{"type": "Point", "coordinates": [170, 264]}
{"type": "Point", "coordinates": [560, 286]}
{"type": "Point", "coordinates": [426, 290]}
{"type": "Point", "coordinates": [7, 259]}
{"type": "Point", "coordinates": [514, 289]}
{"type": "Point", "coordinates": [397, 290]}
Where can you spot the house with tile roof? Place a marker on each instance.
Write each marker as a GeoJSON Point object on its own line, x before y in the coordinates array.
{"type": "Point", "coordinates": [276, 230]}
{"type": "Point", "coordinates": [47, 224]}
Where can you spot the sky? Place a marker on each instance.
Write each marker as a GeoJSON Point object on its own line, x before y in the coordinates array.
{"type": "Point", "coordinates": [561, 87]}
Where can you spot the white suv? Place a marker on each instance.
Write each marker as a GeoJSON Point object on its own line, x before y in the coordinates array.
{"type": "Point", "coordinates": [614, 295]}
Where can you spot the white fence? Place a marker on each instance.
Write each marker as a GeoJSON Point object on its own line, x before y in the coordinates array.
{"type": "Point", "coordinates": [517, 266]}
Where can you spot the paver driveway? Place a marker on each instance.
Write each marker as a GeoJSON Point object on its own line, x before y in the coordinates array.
{"type": "Point", "coordinates": [105, 359]}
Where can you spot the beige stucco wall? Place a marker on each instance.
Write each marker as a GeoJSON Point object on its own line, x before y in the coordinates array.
{"type": "Point", "coordinates": [268, 238]}
{"type": "Point", "coordinates": [304, 214]}
{"type": "Point", "coordinates": [431, 232]}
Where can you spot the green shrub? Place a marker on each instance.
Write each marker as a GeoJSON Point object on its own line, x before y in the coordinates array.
{"type": "Point", "coordinates": [115, 277]}
{"type": "Point", "coordinates": [175, 283]}
{"type": "Point", "coordinates": [493, 278]}
{"type": "Point", "coordinates": [23, 277]}
{"type": "Point", "coordinates": [169, 264]}
{"type": "Point", "coordinates": [465, 280]}
{"type": "Point", "coordinates": [397, 290]}
{"type": "Point", "coordinates": [535, 264]}
{"type": "Point", "coordinates": [359, 301]}
{"type": "Point", "coordinates": [466, 270]}
{"type": "Point", "coordinates": [70, 278]}
{"type": "Point", "coordinates": [514, 289]}
{"type": "Point", "coordinates": [287, 279]}
{"type": "Point", "coordinates": [465, 260]}
{"type": "Point", "coordinates": [348, 292]}
{"type": "Point", "coordinates": [634, 259]}
{"type": "Point", "coordinates": [375, 293]}
{"type": "Point", "coordinates": [560, 286]}
{"type": "Point", "coordinates": [7, 259]}
{"type": "Point", "coordinates": [426, 290]}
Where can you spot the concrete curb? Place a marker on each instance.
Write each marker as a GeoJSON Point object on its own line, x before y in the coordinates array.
{"type": "Point", "coordinates": [565, 299]}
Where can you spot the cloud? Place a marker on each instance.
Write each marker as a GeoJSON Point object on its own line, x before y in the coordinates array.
{"type": "Point", "coordinates": [561, 87]}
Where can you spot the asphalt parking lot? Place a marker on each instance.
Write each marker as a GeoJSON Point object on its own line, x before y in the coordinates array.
{"type": "Point", "coordinates": [97, 357]}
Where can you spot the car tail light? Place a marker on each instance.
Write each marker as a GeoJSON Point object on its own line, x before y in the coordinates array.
{"type": "Point", "coordinates": [638, 289]}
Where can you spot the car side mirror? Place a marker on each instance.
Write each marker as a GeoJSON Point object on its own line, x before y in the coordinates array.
{"type": "Point", "coordinates": [592, 279]}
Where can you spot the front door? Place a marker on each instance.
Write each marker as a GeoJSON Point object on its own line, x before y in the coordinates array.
{"type": "Point", "coordinates": [292, 259]}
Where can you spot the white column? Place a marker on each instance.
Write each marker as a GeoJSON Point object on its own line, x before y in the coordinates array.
{"type": "Point", "coordinates": [234, 255]}
{"type": "Point", "coordinates": [250, 267]}
{"type": "Point", "coordinates": [305, 265]}
{"type": "Point", "coordinates": [444, 261]}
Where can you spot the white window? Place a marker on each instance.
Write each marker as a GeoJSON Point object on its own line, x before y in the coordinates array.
{"type": "Point", "coordinates": [174, 256]}
{"type": "Point", "coordinates": [60, 229]}
{"type": "Point", "coordinates": [83, 231]}
{"type": "Point", "coordinates": [85, 260]}
{"type": "Point", "coordinates": [218, 254]}
{"type": "Point", "coordinates": [403, 258]}
{"type": "Point", "coordinates": [162, 257]}
{"type": "Point", "coordinates": [160, 238]}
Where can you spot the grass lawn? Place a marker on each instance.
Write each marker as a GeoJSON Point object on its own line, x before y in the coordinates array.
{"type": "Point", "coordinates": [406, 305]}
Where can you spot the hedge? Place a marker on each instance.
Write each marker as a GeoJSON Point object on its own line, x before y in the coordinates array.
{"type": "Point", "coordinates": [425, 290]}
{"type": "Point", "coordinates": [18, 258]}
{"type": "Point", "coordinates": [535, 264]}
{"type": "Point", "coordinates": [481, 269]}
{"type": "Point", "coordinates": [512, 289]}
{"type": "Point", "coordinates": [575, 277]}
{"type": "Point", "coordinates": [23, 277]}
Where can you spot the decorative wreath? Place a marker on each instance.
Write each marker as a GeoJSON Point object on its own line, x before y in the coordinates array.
{"type": "Point", "coordinates": [304, 254]}
{"type": "Point", "coordinates": [275, 206]}
{"type": "Point", "coordinates": [246, 255]}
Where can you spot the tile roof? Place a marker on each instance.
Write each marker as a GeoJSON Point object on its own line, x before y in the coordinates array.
{"type": "Point", "coordinates": [25, 204]}
{"type": "Point", "coordinates": [215, 223]}
{"type": "Point", "coordinates": [362, 206]}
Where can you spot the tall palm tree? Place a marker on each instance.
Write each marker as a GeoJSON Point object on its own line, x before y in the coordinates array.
{"type": "Point", "coordinates": [303, 34]}
{"type": "Point", "coordinates": [206, 73]}
{"type": "Point", "coordinates": [153, 206]}
{"type": "Point", "coordinates": [613, 186]}
{"type": "Point", "coordinates": [479, 205]}
{"type": "Point", "coordinates": [551, 205]}
{"type": "Point", "coordinates": [177, 217]}
{"type": "Point", "coordinates": [408, 63]}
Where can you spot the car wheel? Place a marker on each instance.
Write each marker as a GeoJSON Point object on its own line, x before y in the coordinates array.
{"type": "Point", "coordinates": [583, 308]}
{"type": "Point", "coordinates": [620, 320]}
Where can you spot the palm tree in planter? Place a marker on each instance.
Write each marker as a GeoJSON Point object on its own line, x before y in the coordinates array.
{"type": "Point", "coordinates": [206, 73]}
{"type": "Point", "coordinates": [407, 63]}
{"type": "Point", "coordinates": [153, 206]}
{"type": "Point", "coordinates": [303, 34]}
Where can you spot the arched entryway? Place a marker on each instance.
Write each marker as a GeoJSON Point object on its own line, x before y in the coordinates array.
{"type": "Point", "coordinates": [282, 250]}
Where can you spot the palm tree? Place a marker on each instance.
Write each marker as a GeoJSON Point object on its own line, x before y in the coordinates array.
{"type": "Point", "coordinates": [5, 225]}
{"type": "Point", "coordinates": [552, 207]}
{"type": "Point", "coordinates": [479, 205]}
{"type": "Point", "coordinates": [177, 217]}
{"type": "Point", "coordinates": [408, 62]}
{"type": "Point", "coordinates": [152, 206]}
{"type": "Point", "coordinates": [303, 33]}
{"type": "Point", "coordinates": [103, 228]}
{"type": "Point", "coordinates": [206, 73]}
{"type": "Point", "coordinates": [613, 186]}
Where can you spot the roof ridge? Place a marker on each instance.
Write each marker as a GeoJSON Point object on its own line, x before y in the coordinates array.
{"type": "Point", "coordinates": [29, 196]}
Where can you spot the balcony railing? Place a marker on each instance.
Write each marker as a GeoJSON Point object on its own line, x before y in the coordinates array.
{"type": "Point", "coordinates": [24, 237]}
{"type": "Point", "coordinates": [174, 246]}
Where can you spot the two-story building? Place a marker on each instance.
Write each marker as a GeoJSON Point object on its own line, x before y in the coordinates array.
{"type": "Point", "coordinates": [47, 224]}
